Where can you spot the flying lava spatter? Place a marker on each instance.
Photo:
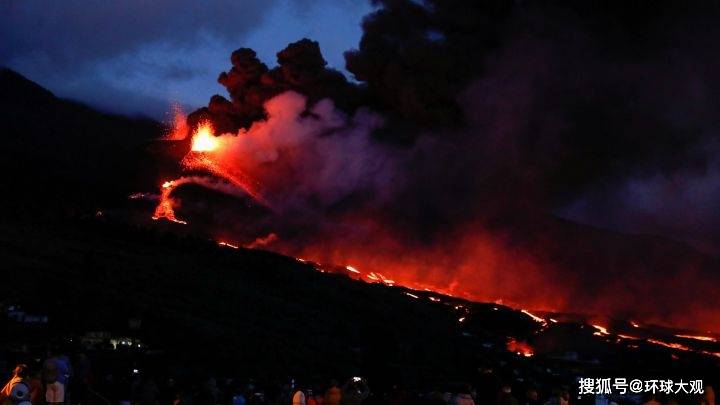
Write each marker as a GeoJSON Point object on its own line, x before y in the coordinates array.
{"type": "Point", "coordinates": [204, 143]}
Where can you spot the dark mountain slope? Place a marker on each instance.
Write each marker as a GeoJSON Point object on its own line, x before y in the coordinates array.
{"type": "Point", "coordinates": [61, 154]}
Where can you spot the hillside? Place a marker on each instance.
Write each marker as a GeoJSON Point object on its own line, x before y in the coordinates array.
{"type": "Point", "coordinates": [59, 155]}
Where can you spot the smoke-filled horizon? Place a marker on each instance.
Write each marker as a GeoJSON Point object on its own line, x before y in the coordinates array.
{"type": "Point", "coordinates": [326, 191]}
{"type": "Point", "coordinates": [601, 113]}
{"type": "Point", "coordinates": [448, 163]}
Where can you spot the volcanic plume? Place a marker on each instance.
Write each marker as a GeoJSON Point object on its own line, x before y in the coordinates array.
{"type": "Point", "coordinates": [472, 126]}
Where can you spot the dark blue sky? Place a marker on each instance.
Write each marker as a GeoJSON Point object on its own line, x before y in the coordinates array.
{"type": "Point", "coordinates": [136, 57]}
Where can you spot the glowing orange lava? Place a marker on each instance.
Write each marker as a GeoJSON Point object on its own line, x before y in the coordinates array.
{"type": "Point", "coordinates": [179, 128]}
{"type": "Point", "coordinates": [478, 260]}
{"type": "Point", "coordinates": [534, 317]}
{"type": "Point", "coordinates": [203, 139]}
{"type": "Point", "coordinates": [701, 338]}
{"type": "Point", "coordinates": [601, 330]}
{"type": "Point", "coordinates": [520, 348]}
{"type": "Point", "coordinates": [226, 244]}
{"type": "Point", "coordinates": [164, 208]}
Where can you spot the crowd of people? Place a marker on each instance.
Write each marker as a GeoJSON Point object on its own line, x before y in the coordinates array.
{"type": "Point", "coordinates": [58, 382]}
{"type": "Point", "coordinates": [44, 386]}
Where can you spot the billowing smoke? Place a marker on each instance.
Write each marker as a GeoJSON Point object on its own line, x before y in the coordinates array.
{"type": "Point", "coordinates": [472, 127]}
{"type": "Point", "coordinates": [311, 160]}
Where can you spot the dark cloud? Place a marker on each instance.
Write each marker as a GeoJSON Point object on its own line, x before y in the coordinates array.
{"type": "Point", "coordinates": [554, 99]}
{"type": "Point", "coordinates": [682, 206]}
{"type": "Point", "coordinates": [250, 83]}
{"type": "Point", "coordinates": [76, 32]}
{"type": "Point", "coordinates": [549, 101]}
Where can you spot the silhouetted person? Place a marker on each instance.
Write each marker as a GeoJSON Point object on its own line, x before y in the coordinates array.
{"type": "Point", "coordinates": [209, 393]}
{"type": "Point", "coordinates": [56, 370]}
{"type": "Point", "coordinates": [81, 379]}
{"type": "Point", "coordinates": [298, 397]}
{"type": "Point", "coordinates": [505, 396]}
{"type": "Point", "coordinates": [355, 392]}
{"type": "Point", "coordinates": [17, 390]}
{"type": "Point", "coordinates": [310, 398]}
{"type": "Point", "coordinates": [148, 392]}
{"type": "Point", "coordinates": [708, 397]}
{"type": "Point", "coordinates": [333, 395]}
{"type": "Point", "coordinates": [488, 384]}
{"type": "Point", "coordinates": [464, 397]}
{"type": "Point", "coordinates": [532, 397]}
{"type": "Point", "coordinates": [398, 396]}
{"type": "Point", "coordinates": [238, 397]}
{"type": "Point", "coordinates": [560, 397]}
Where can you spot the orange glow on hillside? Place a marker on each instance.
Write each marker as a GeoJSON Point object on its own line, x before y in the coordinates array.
{"type": "Point", "coordinates": [520, 348]}
{"type": "Point", "coordinates": [695, 337]}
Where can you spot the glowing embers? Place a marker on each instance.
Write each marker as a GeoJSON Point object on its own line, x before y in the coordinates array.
{"type": "Point", "coordinates": [203, 139]}
{"type": "Point", "coordinates": [379, 278]}
{"type": "Point", "coordinates": [520, 348]}
{"type": "Point", "coordinates": [200, 161]}
{"type": "Point", "coordinates": [534, 317]}
{"type": "Point", "coordinates": [227, 244]}
{"type": "Point", "coordinates": [701, 338]}
{"type": "Point", "coordinates": [372, 277]}
{"type": "Point", "coordinates": [675, 345]}
{"type": "Point", "coordinates": [601, 330]}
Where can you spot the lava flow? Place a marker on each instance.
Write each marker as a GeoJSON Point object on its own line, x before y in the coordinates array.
{"type": "Point", "coordinates": [204, 143]}
{"type": "Point", "coordinates": [164, 208]}
{"type": "Point", "coordinates": [329, 193]}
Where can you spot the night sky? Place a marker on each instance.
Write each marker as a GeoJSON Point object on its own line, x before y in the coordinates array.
{"type": "Point", "coordinates": [136, 57]}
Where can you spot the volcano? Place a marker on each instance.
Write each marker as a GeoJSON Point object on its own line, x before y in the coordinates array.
{"type": "Point", "coordinates": [427, 214]}
{"type": "Point", "coordinates": [66, 230]}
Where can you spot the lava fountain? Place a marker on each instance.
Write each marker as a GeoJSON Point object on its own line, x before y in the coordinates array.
{"type": "Point", "coordinates": [203, 139]}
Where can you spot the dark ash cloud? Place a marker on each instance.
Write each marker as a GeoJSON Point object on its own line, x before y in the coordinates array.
{"type": "Point", "coordinates": [498, 116]}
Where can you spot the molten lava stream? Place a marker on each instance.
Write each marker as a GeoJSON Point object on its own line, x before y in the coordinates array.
{"type": "Point", "coordinates": [204, 145]}
{"type": "Point", "coordinates": [164, 208]}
